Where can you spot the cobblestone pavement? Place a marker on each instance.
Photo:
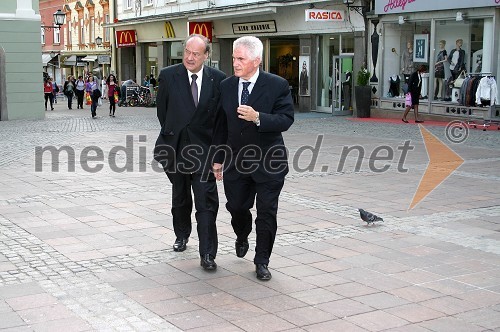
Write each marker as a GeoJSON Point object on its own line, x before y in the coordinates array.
{"type": "Point", "coordinates": [85, 239]}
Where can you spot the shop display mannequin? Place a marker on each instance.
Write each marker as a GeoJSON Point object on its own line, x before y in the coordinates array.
{"type": "Point", "coordinates": [457, 59]}
{"type": "Point", "coordinates": [304, 81]}
{"type": "Point", "coordinates": [407, 69]}
{"type": "Point", "coordinates": [346, 88]}
{"type": "Point", "coordinates": [442, 57]}
{"type": "Point", "coordinates": [394, 82]}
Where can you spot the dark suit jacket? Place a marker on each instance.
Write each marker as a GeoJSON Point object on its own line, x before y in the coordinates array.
{"type": "Point", "coordinates": [272, 99]}
{"type": "Point", "coordinates": [183, 124]}
{"type": "Point", "coordinates": [413, 85]}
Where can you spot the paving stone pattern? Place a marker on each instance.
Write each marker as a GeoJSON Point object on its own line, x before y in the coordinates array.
{"type": "Point", "coordinates": [91, 251]}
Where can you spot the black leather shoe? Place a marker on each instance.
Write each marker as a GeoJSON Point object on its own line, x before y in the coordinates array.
{"type": "Point", "coordinates": [180, 244]}
{"type": "Point", "coordinates": [262, 272]}
{"type": "Point", "coordinates": [208, 263]}
{"type": "Point", "coordinates": [241, 248]}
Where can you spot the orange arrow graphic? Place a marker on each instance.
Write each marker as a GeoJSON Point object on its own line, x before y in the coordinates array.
{"type": "Point", "coordinates": [443, 161]}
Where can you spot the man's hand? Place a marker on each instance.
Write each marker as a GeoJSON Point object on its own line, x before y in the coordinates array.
{"type": "Point", "coordinates": [247, 113]}
{"type": "Point", "coordinates": [217, 169]}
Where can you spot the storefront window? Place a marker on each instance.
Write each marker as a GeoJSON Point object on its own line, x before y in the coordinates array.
{"type": "Point", "coordinates": [151, 59]}
{"type": "Point", "coordinates": [328, 47]}
{"type": "Point", "coordinates": [334, 64]}
{"type": "Point", "coordinates": [460, 49]}
{"type": "Point", "coordinates": [176, 52]}
{"type": "Point", "coordinates": [409, 48]}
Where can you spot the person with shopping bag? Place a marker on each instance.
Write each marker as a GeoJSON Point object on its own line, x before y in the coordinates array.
{"type": "Point", "coordinates": [92, 96]}
{"type": "Point", "coordinates": [89, 87]}
{"type": "Point", "coordinates": [413, 95]}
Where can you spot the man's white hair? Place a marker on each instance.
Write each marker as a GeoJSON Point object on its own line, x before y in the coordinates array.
{"type": "Point", "coordinates": [252, 44]}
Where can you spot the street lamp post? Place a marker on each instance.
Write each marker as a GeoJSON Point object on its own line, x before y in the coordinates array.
{"type": "Point", "coordinates": [359, 9]}
{"type": "Point", "coordinates": [98, 42]}
{"type": "Point", "coordinates": [59, 18]}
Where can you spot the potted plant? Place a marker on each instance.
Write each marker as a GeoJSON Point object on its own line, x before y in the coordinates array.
{"type": "Point", "coordinates": [363, 94]}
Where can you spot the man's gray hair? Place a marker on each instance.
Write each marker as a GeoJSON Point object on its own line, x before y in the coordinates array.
{"type": "Point", "coordinates": [203, 38]}
{"type": "Point", "coordinates": [252, 44]}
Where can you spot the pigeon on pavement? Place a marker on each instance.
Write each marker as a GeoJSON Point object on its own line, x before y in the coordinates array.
{"type": "Point", "coordinates": [369, 217]}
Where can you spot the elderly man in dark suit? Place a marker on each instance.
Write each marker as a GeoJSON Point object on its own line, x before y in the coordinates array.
{"type": "Point", "coordinates": [258, 107]}
{"type": "Point", "coordinates": [187, 103]}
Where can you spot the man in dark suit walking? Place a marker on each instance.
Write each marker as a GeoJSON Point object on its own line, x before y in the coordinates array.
{"type": "Point", "coordinates": [187, 103]}
{"type": "Point", "coordinates": [257, 108]}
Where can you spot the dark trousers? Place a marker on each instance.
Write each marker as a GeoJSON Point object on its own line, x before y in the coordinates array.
{"type": "Point", "coordinates": [49, 96]}
{"type": "Point", "coordinates": [93, 106]}
{"type": "Point", "coordinates": [70, 99]}
{"type": "Point", "coordinates": [241, 194]}
{"type": "Point", "coordinates": [79, 98]}
{"type": "Point", "coordinates": [112, 104]}
{"type": "Point", "coordinates": [206, 201]}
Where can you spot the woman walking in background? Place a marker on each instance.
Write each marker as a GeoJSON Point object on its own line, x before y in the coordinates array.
{"type": "Point", "coordinates": [103, 87]}
{"type": "Point", "coordinates": [69, 90]}
{"type": "Point", "coordinates": [80, 91]}
{"type": "Point", "coordinates": [48, 91]}
{"type": "Point", "coordinates": [414, 89]}
{"type": "Point", "coordinates": [112, 87]}
{"type": "Point", "coordinates": [55, 90]}
{"type": "Point", "coordinates": [90, 88]}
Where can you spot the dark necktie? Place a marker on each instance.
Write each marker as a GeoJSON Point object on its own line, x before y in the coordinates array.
{"type": "Point", "coordinates": [245, 93]}
{"type": "Point", "coordinates": [194, 89]}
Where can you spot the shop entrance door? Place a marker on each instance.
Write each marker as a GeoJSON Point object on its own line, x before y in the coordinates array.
{"type": "Point", "coordinates": [342, 84]}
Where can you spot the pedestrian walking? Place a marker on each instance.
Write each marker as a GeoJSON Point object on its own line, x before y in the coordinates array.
{"type": "Point", "coordinates": [104, 87]}
{"type": "Point", "coordinates": [94, 94]}
{"type": "Point", "coordinates": [69, 90]}
{"type": "Point", "coordinates": [257, 107]}
{"type": "Point", "coordinates": [55, 90]}
{"type": "Point", "coordinates": [112, 87]}
{"type": "Point", "coordinates": [48, 91]}
{"type": "Point", "coordinates": [80, 91]}
{"type": "Point", "coordinates": [187, 103]}
{"type": "Point", "coordinates": [414, 90]}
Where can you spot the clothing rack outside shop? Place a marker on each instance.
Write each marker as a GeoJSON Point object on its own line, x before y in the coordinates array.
{"type": "Point", "coordinates": [465, 99]}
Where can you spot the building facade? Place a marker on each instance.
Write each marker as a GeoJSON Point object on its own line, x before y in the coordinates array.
{"type": "Point", "coordinates": [21, 88]}
{"type": "Point", "coordinates": [52, 40]}
{"type": "Point", "coordinates": [454, 39]}
{"type": "Point", "coordinates": [81, 53]}
{"type": "Point", "coordinates": [315, 45]}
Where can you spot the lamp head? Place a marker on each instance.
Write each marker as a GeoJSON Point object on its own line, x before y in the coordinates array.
{"type": "Point", "coordinates": [59, 17]}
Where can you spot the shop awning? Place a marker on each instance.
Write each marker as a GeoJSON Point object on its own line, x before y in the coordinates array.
{"type": "Point", "coordinates": [46, 58]}
{"type": "Point", "coordinates": [89, 58]}
{"type": "Point", "coordinates": [70, 61]}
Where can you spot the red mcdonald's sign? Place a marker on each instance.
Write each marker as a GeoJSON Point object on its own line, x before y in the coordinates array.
{"type": "Point", "coordinates": [125, 38]}
{"type": "Point", "coordinates": [201, 28]}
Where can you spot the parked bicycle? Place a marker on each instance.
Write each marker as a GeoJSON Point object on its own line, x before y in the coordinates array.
{"type": "Point", "coordinates": [141, 97]}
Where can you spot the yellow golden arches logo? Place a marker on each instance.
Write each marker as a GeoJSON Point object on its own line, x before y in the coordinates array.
{"type": "Point", "coordinates": [201, 28]}
{"type": "Point", "coordinates": [126, 37]}
{"type": "Point", "coordinates": [169, 30]}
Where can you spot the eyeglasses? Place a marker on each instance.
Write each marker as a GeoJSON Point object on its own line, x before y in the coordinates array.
{"type": "Point", "coordinates": [188, 53]}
